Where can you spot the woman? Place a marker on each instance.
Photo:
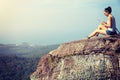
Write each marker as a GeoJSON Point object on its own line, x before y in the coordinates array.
{"type": "Point", "coordinates": [106, 28]}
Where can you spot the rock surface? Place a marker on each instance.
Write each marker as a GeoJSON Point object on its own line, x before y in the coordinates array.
{"type": "Point", "coordinates": [90, 59]}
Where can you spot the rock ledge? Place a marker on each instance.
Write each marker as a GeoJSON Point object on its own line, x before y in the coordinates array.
{"type": "Point", "coordinates": [88, 59]}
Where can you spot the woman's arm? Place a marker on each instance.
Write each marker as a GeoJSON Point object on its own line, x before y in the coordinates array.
{"type": "Point", "coordinates": [103, 23]}
{"type": "Point", "coordinates": [108, 24]}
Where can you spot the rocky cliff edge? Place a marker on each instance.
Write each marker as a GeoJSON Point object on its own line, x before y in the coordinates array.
{"type": "Point", "coordinates": [89, 59]}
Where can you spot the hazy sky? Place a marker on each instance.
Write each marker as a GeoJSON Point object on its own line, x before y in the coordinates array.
{"type": "Point", "coordinates": [51, 21]}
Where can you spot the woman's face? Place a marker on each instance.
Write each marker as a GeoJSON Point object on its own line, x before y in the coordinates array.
{"type": "Point", "coordinates": [106, 13]}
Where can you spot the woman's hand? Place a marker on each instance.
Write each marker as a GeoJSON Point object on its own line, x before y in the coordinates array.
{"type": "Point", "coordinates": [103, 23]}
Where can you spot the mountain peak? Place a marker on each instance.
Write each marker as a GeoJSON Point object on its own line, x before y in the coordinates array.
{"type": "Point", "coordinates": [93, 59]}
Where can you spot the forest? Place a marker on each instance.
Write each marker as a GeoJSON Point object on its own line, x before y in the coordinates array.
{"type": "Point", "coordinates": [19, 66]}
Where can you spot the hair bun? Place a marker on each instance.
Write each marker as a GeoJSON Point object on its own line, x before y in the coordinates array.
{"type": "Point", "coordinates": [109, 7]}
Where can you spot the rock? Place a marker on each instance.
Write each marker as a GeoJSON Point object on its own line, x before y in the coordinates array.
{"type": "Point", "coordinates": [89, 59]}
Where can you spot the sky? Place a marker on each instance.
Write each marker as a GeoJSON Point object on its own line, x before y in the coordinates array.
{"type": "Point", "coordinates": [52, 21]}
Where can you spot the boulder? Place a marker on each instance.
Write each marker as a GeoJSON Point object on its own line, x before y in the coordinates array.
{"type": "Point", "coordinates": [88, 59]}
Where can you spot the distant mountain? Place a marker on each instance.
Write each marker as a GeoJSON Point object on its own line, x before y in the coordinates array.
{"type": "Point", "coordinates": [18, 61]}
{"type": "Point", "coordinates": [25, 49]}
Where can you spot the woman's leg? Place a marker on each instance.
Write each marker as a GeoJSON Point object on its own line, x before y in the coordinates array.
{"type": "Point", "coordinates": [101, 30]}
{"type": "Point", "coordinates": [102, 27]}
{"type": "Point", "coordinates": [97, 32]}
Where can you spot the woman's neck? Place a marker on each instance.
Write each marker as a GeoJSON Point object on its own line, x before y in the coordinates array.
{"type": "Point", "coordinates": [109, 15]}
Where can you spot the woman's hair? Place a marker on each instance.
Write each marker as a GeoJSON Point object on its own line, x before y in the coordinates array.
{"type": "Point", "coordinates": [108, 9]}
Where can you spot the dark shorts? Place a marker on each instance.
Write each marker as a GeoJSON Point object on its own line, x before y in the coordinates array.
{"type": "Point", "coordinates": [111, 32]}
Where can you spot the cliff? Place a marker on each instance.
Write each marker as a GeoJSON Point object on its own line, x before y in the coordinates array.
{"type": "Point", "coordinates": [89, 59]}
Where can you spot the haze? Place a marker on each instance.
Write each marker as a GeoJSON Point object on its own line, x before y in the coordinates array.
{"type": "Point", "coordinates": [51, 21]}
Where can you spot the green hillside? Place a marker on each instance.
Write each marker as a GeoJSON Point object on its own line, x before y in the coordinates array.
{"type": "Point", "coordinates": [18, 62]}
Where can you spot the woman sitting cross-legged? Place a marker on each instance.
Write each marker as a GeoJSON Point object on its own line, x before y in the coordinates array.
{"type": "Point", "coordinates": [106, 28]}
